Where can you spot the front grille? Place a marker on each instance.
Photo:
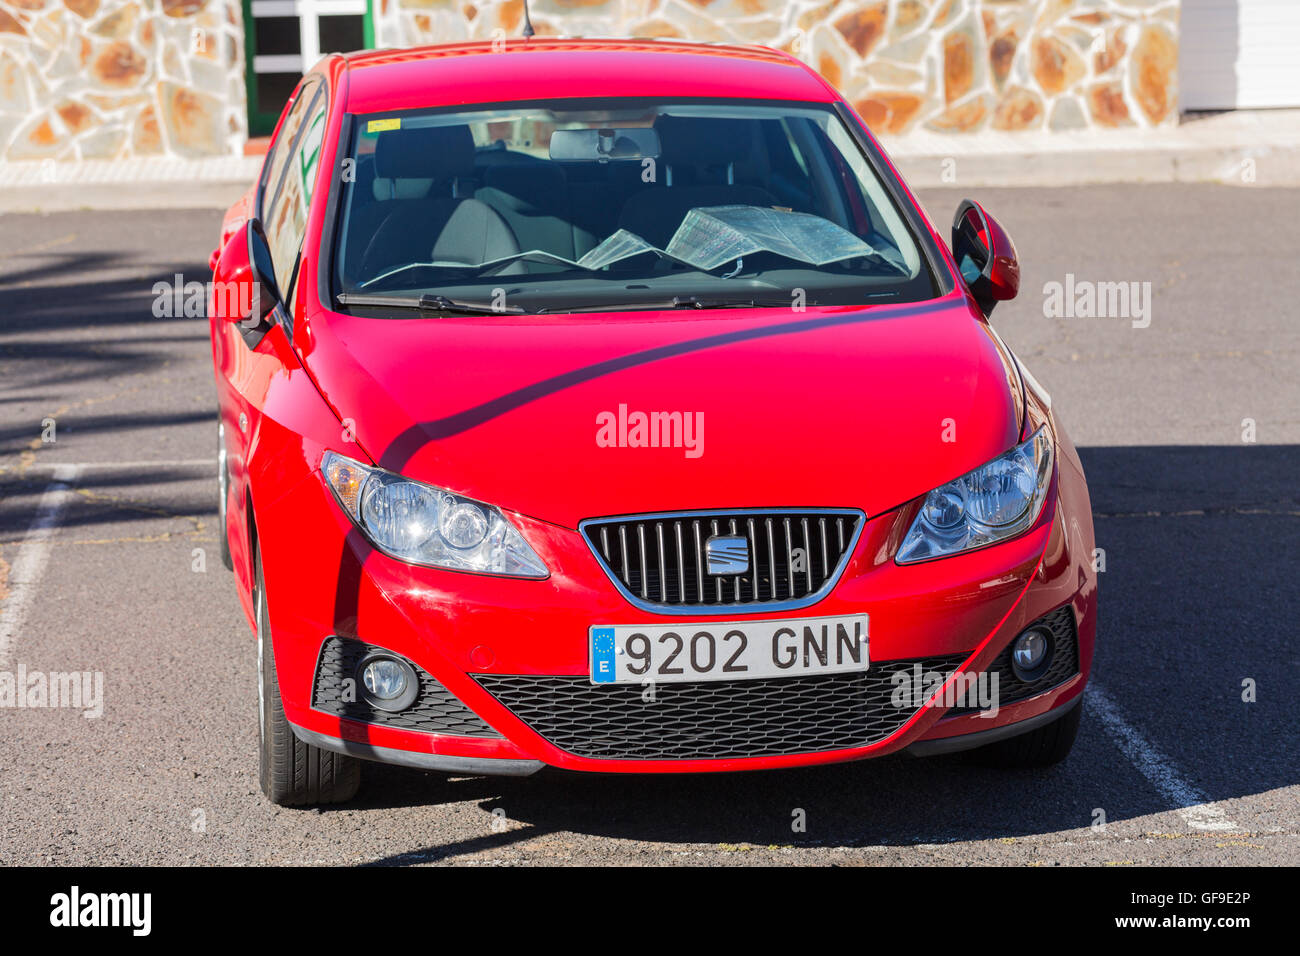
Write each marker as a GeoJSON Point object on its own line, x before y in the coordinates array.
{"type": "Point", "coordinates": [1065, 662]}
{"type": "Point", "coordinates": [435, 710]}
{"type": "Point", "coordinates": [658, 561]}
{"type": "Point", "coordinates": [714, 719]}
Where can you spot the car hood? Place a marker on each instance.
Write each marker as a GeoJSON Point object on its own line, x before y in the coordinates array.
{"type": "Point", "coordinates": [831, 407]}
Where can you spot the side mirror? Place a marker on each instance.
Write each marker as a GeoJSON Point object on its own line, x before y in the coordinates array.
{"type": "Point", "coordinates": [247, 291]}
{"type": "Point", "coordinates": [986, 256]}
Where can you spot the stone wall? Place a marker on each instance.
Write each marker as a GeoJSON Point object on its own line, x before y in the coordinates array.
{"type": "Point", "coordinates": [113, 79]}
{"type": "Point", "coordinates": [943, 65]}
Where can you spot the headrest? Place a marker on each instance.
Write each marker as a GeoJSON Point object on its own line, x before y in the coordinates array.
{"type": "Point", "coordinates": [703, 140]}
{"type": "Point", "coordinates": [425, 152]}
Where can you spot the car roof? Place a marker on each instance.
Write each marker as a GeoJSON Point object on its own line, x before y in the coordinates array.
{"type": "Point", "coordinates": [513, 69]}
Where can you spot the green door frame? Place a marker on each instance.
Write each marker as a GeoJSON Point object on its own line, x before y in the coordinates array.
{"type": "Point", "coordinates": [262, 122]}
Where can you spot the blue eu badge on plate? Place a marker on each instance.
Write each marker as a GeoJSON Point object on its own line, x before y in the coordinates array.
{"type": "Point", "coordinates": [602, 655]}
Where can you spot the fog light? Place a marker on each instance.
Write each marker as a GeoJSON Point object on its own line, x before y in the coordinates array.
{"type": "Point", "coordinates": [384, 679]}
{"type": "Point", "coordinates": [1031, 654]}
{"type": "Point", "coordinates": [388, 683]}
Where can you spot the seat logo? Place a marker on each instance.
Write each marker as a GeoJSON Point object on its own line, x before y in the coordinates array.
{"type": "Point", "coordinates": [727, 554]}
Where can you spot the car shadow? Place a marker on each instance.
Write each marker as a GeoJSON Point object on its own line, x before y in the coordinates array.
{"type": "Point", "coordinates": [88, 316]}
{"type": "Point", "coordinates": [1197, 596]}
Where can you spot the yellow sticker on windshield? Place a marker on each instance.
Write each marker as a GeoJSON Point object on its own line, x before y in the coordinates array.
{"type": "Point", "coordinates": [384, 125]}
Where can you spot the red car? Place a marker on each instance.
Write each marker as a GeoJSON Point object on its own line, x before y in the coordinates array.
{"type": "Point", "coordinates": [614, 406]}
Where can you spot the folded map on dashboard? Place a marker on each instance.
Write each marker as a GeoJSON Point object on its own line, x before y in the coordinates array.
{"type": "Point", "coordinates": [711, 236]}
{"type": "Point", "coordinates": [714, 235]}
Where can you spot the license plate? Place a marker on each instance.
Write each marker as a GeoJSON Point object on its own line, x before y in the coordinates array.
{"type": "Point", "coordinates": [728, 650]}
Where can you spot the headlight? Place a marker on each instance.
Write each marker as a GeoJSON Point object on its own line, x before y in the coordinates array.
{"type": "Point", "coordinates": [421, 524]}
{"type": "Point", "coordinates": [992, 503]}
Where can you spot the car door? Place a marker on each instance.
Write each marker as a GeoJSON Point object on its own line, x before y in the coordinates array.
{"type": "Point", "coordinates": [248, 361]}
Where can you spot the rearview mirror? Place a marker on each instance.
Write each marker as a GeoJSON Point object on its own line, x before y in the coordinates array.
{"type": "Point", "coordinates": [259, 254]}
{"type": "Point", "coordinates": [246, 292]}
{"type": "Point", "coordinates": [602, 145]}
{"type": "Point", "coordinates": [986, 256]}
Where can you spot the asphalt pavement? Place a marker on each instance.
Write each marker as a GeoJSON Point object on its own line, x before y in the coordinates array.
{"type": "Point", "coordinates": [1187, 414]}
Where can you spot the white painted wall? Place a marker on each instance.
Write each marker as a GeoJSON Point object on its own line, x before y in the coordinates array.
{"type": "Point", "coordinates": [1239, 54]}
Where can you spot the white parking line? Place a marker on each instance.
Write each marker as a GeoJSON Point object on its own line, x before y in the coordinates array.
{"type": "Point", "coordinates": [1196, 809]}
{"type": "Point", "coordinates": [33, 554]}
{"type": "Point", "coordinates": [111, 465]}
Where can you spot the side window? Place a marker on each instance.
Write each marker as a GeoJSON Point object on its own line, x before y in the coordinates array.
{"type": "Point", "coordinates": [283, 144]}
{"type": "Point", "coordinates": [286, 215]}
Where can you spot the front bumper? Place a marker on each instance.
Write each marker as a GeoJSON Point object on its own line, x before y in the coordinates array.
{"type": "Point", "coordinates": [442, 763]}
{"type": "Point", "coordinates": [468, 631]}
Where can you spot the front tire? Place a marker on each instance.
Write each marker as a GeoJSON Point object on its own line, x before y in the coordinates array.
{"type": "Point", "coordinates": [291, 772]}
{"type": "Point", "coordinates": [1043, 747]}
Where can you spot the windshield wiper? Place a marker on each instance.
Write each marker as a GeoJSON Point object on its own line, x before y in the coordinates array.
{"type": "Point", "coordinates": [730, 302]}
{"type": "Point", "coordinates": [428, 303]}
{"type": "Point", "coordinates": [687, 302]}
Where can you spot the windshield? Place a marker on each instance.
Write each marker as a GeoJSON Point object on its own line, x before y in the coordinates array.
{"type": "Point", "coordinates": [611, 206]}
